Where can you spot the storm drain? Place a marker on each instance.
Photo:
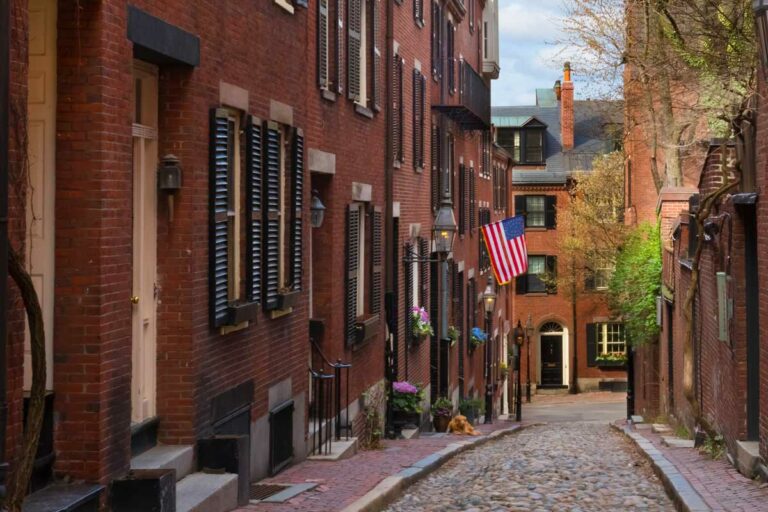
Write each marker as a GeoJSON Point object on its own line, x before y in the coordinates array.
{"type": "Point", "coordinates": [277, 493]}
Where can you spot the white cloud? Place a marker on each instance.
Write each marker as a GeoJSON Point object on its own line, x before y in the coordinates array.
{"type": "Point", "coordinates": [522, 22]}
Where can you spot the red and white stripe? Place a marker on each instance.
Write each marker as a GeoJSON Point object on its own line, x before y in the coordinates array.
{"type": "Point", "coordinates": [509, 258]}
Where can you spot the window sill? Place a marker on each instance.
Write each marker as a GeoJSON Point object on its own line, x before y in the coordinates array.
{"type": "Point", "coordinates": [420, 23]}
{"type": "Point", "coordinates": [328, 95]}
{"type": "Point", "coordinates": [396, 164]}
{"type": "Point", "coordinates": [363, 111]}
{"type": "Point", "coordinates": [536, 228]}
{"type": "Point", "coordinates": [418, 170]}
{"type": "Point", "coordinates": [537, 294]}
{"type": "Point", "coordinates": [278, 313]}
{"type": "Point", "coordinates": [284, 5]}
{"type": "Point", "coordinates": [228, 329]}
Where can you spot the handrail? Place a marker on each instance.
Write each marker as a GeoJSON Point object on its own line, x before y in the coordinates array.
{"type": "Point", "coordinates": [337, 367]}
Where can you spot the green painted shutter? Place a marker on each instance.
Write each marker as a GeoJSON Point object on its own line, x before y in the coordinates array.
{"type": "Point", "coordinates": [297, 203]}
{"type": "Point", "coordinates": [592, 344]}
{"type": "Point", "coordinates": [254, 213]}
{"type": "Point", "coordinates": [218, 250]}
{"type": "Point", "coordinates": [271, 206]}
{"type": "Point", "coordinates": [377, 259]}
{"type": "Point", "coordinates": [354, 47]}
{"type": "Point", "coordinates": [350, 300]}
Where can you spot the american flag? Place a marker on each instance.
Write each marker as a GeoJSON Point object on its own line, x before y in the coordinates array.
{"type": "Point", "coordinates": [505, 241]}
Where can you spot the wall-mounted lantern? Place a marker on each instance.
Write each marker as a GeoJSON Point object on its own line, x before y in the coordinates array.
{"type": "Point", "coordinates": [316, 210]}
{"type": "Point", "coordinates": [169, 180]}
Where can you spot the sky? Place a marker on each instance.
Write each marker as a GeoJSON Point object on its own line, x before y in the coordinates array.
{"type": "Point", "coordinates": [528, 31]}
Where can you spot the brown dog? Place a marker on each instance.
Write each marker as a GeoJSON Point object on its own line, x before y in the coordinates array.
{"type": "Point", "coordinates": [460, 425]}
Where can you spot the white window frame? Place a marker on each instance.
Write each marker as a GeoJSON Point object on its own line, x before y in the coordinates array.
{"type": "Point", "coordinates": [415, 282]}
{"type": "Point", "coordinates": [616, 329]}
{"type": "Point", "coordinates": [362, 98]}
{"type": "Point", "coordinates": [529, 218]}
{"type": "Point", "coordinates": [234, 209]}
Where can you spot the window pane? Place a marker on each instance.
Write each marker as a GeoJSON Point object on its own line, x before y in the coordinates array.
{"type": "Point", "coordinates": [534, 146]}
{"type": "Point", "coordinates": [535, 207]}
{"type": "Point", "coordinates": [517, 146]}
{"type": "Point", "coordinates": [537, 265]}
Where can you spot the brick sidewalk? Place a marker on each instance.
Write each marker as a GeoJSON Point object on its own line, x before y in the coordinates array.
{"type": "Point", "coordinates": [342, 482]}
{"type": "Point", "coordinates": [718, 483]}
{"type": "Point", "coordinates": [591, 397]}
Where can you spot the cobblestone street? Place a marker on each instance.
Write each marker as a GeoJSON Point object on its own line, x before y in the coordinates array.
{"type": "Point", "coordinates": [566, 466]}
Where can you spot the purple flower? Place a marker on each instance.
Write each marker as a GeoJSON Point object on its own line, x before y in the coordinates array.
{"type": "Point", "coordinates": [405, 387]}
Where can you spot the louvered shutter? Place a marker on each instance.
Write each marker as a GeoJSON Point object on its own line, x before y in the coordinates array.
{"type": "Point", "coordinates": [521, 284]}
{"type": "Point", "coordinates": [271, 280]}
{"type": "Point", "coordinates": [376, 71]}
{"type": "Point", "coordinates": [354, 47]}
{"type": "Point", "coordinates": [254, 214]}
{"type": "Point", "coordinates": [339, 46]}
{"type": "Point", "coordinates": [423, 93]}
{"type": "Point", "coordinates": [552, 271]}
{"type": "Point", "coordinates": [462, 199]}
{"type": "Point", "coordinates": [323, 77]}
{"type": "Point", "coordinates": [417, 117]}
{"type": "Point", "coordinates": [472, 303]}
{"type": "Point", "coordinates": [408, 283]}
{"type": "Point", "coordinates": [219, 206]}
{"type": "Point", "coordinates": [449, 58]}
{"type": "Point", "coordinates": [461, 326]}
{"type": "Point", "coordinates": [424, 272]}
{"type": "Point", "coordinates": [397, 109]}
{"type": "Point", "coordinates": [592, 344]}
{"type": "Point", "coordinates": [435, 40]}
{"type": "Point", "coordinates": [418, 11]}
{"type": "Point", "coordinates": [377, 259]}
{"type": "Point", "coordinates": [551, 213]}
{"type": "Point", "coordinates": [519, 205]}
{"type": "Point", "coordinates": [297, 203]}
{"type": "Point", "coordinates": [350, 301]}
{"type": "Point", "coordinates": [435, 176]}
{"type": "Point", "coordinates": [472, 204]}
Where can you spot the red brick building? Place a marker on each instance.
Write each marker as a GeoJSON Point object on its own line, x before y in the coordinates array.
{"type": "Point", "coordinates": [168, 229]}
{"type": "Point", "coordinates": [549, 141]}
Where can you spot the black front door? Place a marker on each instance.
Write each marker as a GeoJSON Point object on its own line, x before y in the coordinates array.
{"type": "Point", "coordinates": [551, 360]}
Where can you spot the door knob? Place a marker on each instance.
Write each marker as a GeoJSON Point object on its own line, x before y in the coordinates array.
{"type": "Point", "coordinates": [135, 299]}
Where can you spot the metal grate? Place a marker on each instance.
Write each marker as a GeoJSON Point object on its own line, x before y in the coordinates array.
{"type": "Point", "coordinates": [262, 491]}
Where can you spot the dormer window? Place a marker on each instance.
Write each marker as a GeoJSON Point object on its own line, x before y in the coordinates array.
{"type": "Point", "coordinates": [526, 145]}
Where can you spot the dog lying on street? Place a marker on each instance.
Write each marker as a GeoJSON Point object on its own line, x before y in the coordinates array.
{"type": "Point", "coordinates": [460, 425]}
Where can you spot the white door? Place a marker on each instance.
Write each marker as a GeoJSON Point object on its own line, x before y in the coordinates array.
{"type": "Point", "coordinates": [144, 297]}
{"type": "Point", "coordinates": [41, 131]}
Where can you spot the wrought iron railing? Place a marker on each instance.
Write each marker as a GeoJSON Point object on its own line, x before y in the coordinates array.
{"type": "Point", "coordinates": [474, 93]}
{"type": "Point", "coordinates": [329, 380]}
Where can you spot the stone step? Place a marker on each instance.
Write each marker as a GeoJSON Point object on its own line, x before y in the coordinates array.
{"type": "Point", "coordinates": [747, 457]}
{"type": "Point", "coordinates": [676, 442]}
{"type": "Point", "coordinates": [636, 419]}
{"type": "Point", "coordinates": [178, 457]}
{"type": "Point", "coordinates": [552, 391]}
{"type": "Point", "coordinates": [205, 492]}
{"type": "Point", "coordinates": [342, 449]}
{"type": "Point", "coordinates": [661, 428]}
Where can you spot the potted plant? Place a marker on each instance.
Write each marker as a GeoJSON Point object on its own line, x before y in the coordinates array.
{"type": "Point", "coordinates": [442, 411]}
{"type": "Point", "coordinates": [472, 408]}
{"type": "Point", "coordinates": [453, 334]}
{"type": "Point", "coordinates": [611, 359]}
{"type": "Point", "coordinates": [477, 337]}
{"type": "Point", "coordinates": [420, 326]}
{"type": "Point", "coordinates": [406, 403]}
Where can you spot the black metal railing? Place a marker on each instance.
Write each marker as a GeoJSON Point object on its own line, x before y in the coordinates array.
{"type": "Point", "coordinates": [329, 380]}
{"type": "Point", "coordinates": [473, 108]}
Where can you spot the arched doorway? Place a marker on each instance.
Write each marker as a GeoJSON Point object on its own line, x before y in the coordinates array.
{"type": "Point", "coordinates": [551, 336]}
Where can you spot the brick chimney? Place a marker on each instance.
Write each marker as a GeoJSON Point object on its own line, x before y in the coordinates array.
{"type": "Point", "coordinates": [566, 109]}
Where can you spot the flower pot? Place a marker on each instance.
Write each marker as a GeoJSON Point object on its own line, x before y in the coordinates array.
{"type": "Point", "coordinates": [611, 364]}
{"type": "Point", "coordinates": [406, 418]}
{"type": "Point", "coordinates": [441, 423]}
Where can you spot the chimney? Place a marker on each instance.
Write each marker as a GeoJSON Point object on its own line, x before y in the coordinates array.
{"type": "Point", "coordinates": [566, 109]}
{"type": "Point", "coordinates": [558, 90]}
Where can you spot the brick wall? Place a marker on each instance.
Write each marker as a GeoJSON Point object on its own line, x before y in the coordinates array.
{"type": "Point", "coordinates": [762, 240]}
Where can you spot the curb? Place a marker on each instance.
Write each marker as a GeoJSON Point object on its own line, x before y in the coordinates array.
{"type": "Point", "coordinates": [681, 491]}
{"type": "Point", "coordinates": [391, 487]}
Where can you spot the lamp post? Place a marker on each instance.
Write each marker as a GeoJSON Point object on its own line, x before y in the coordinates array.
{"type": "Point", "coordinates": [518, 333]}
{"type": "Point", "coordinates": [489, 302]}
{"type": "Point", "coordinates": [529, 335]}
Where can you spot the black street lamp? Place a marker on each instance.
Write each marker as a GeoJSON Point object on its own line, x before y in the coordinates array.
{"type": "Point", "coordinates": [529, 335]}
{"type": "Point", "coordinates": [489, 302]}
{"type": "Point", "coordinates": [519, 333]}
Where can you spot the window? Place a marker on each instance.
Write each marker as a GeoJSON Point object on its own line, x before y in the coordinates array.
{"type": "Point", "coordinates": [534, 146]}
{"type": "Point", "coordinates": [398, 156]}
{"type": "Point", "coordinates": [486, 150]}
{"type": "Point", "coordinates": [437, 42]}
{"type": "Point", "coordinates": [603, 277]}
{"type": "Point", "coordinates": [364, 262]}
{"type": "Point", "coordinates": [484, 260]}
{"type": "Point", "coordinates": [363, 54]}
{"type": "Point", "coordinates": [610, 338]}
{"type": "Point", "coordinates": [323, 41]}
{"type": "Point", "coordinates": [540, 278]}
{"type": "Point", "coordinates": [418, 12]}
{"type": "Point", "coordinates": [539, 211]}
{"type": "Point", "coordinates": [451, 61]}
{"type": "Point", "coordinates": [526, 145]}
{"type": "Point", "coordinates": [266, 267]}
{"type": "Point", "coordinates": [500, 189]}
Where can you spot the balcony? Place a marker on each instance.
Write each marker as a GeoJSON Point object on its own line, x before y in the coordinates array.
{"type": "Point", "coordinates": [472, 111]}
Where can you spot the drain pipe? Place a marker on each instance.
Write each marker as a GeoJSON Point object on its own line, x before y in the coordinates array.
{"type": "Point", "coordinates": [5, 58]}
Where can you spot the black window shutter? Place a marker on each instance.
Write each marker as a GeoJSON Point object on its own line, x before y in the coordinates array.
{"type": "Point", "coordinates": [418, 11]}
{"type": "Point", "coordinates": [354, 47]}
{"type": "Point", "coordinates": [254, 215]}
{"type": "Point", "coordinates": [435, 176]}
{"type": "Point", "coordinates": [462, 199]}
{"type": "Point", "coordinates": [552, 273]}
{"type": "Point", "coordinates": [418, 121]}
{"type": "Point", "coordinates": [422, 115]}
{"type": "Point", "coordinates": [323, 77]}
{"type": "Point", "coordinates": [435, 39]}
{"type": "Point", "coordinates": [271, 214]}
{"type": "Point", "coordinates": [218, 251]}
{"type": "Point", "coordinates": [449, 58]}
{"type": "Point", "coordinates": [350, 303]}
{"type": "Point", "coordinates": [519, 205]}
{"type": "Point", "coordinates": [376, 69]}
{"type": "Point", "coordinates": [297, 201]}
{"type": "Point", "coordinates": [472, 204]}
{"type": "Point", "coordinates": [339, 31]}
{"type": "Point", "coordinates": [591, 344]}
{"type": "Point", "coordinates": [551, 214]}
{"type": "Point", "coordinates": [589, 281]}
{"type": "Point", "coordinates": [408, 283]}
{"type": "Point", "coordinates": [377, 259]}
{"type": "Point", "coordinates": [521, 284]}
{"type": "Point", "coordinates": [472, 303]}
{"type": "Point", "coordinates": [424, 272]}
{"type": "Point", "coordinates": [398, 111]}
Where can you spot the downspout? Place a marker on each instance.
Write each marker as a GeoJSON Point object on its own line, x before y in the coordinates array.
{"type": "Point", "coordinates": [390, 244]}
{"type": "Point", "coordinates": [5, 42]}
